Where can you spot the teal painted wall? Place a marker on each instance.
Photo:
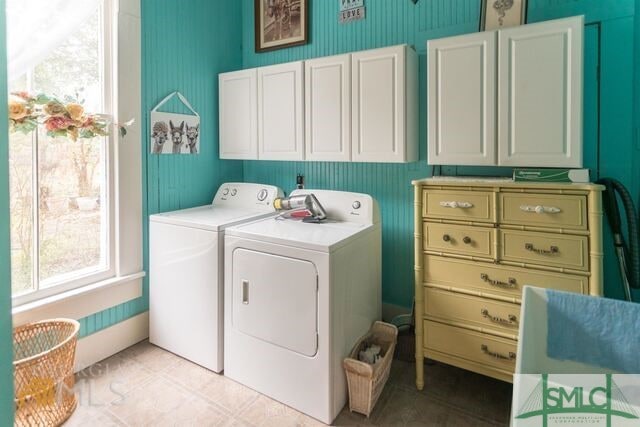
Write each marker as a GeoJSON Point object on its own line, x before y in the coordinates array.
{"type": "Point", "coordinates": [6, 355]}
{"type": "Point", "coordinates": [608, 106]}
{"type": "Point", "coordinates": [185, 45]}
{"type": "Point", "coordinates": [636, 97]}
{"type": "Point", "coordinates": [218, 37]}
{"type": "Point", "coordinates": [636, 94]}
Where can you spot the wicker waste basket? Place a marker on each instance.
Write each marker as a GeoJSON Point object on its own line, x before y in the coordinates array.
{"type": "Point", "coordinates": [44, 354]}
{"type": "Point", "coordinates": [366, 381]}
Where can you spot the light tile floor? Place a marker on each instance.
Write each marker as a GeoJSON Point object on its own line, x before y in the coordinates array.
{"type": "Point", "coordinates": [147, 386]}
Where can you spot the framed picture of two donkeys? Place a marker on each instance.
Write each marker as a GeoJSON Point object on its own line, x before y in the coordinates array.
{"type": "Point", "coordinates": [281, 24]}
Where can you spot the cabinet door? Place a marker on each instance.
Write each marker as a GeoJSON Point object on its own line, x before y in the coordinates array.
{"type": "Point", "coordinates": [378, 105]}
{"type": "Point", "coordinates": [328, 108]}
{"type": "Point", "coordinates": [540, 94]}
{"type": "Point", "coordinates": [280, 112]}
{"type": "Point", "coordinates": [238, 115]}
{"type": "Point", "coordinates": [462, 100]}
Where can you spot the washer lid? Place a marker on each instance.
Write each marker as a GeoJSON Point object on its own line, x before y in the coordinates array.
{"type": "Point", "coordinates": [209, 217]}
{"type": "Point", "coordinates": [323, 237]}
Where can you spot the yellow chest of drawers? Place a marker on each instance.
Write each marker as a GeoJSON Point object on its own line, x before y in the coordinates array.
{"type": "Point", "coordinates": [477, 243]}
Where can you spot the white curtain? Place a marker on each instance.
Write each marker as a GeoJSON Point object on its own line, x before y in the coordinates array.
{"type": "Point", "coordinates": [35, 27]}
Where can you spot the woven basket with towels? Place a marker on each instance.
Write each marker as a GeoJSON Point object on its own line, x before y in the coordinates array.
{"type": "Point", "coordinates": [366, 380]}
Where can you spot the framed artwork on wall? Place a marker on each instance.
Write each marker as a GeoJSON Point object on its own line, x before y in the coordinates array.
{"type": "Point", "coordinates": [280, 23]}
{"type": "Point", "coordinates": [496, 14]}
{"type": "Point", "coordinates": [173, 133]}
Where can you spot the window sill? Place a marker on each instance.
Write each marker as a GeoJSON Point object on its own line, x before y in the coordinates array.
{"type": "Point", "coordinates": [81, 302]}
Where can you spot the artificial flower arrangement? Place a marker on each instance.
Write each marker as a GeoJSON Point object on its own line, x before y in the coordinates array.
{"type": "Point", "coordinates": [60, 118]}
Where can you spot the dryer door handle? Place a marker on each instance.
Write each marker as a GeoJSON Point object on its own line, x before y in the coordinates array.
{"type": "Point", "coordinates": [245, 292]}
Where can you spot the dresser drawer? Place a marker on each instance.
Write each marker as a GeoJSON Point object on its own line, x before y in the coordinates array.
{"type": "Point", "coordinates": [479, 313]}
{"type": "Point", "coordinates": [458, 205]}
{"type": "Point", "coordinates": [545, 249]}
{"type": "Point", "coordinates": [480, 278]}
{"type": "Point", "coordinates": [544, 210]}
{"type": "Point", "coordinates": [460, 239]}
{"type": "Point", "coordinates": [470, 345]}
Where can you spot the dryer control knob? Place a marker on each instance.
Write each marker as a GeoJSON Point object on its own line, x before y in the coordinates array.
{"type": "Point", "coordinates": [356, 205]}
{"type": "Point", "coordinates": [234, 192]}
{"type": "Point", "coordinates": [262, 195]}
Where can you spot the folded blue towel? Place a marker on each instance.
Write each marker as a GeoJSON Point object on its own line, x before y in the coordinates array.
{"type": "Point", "coordinates": [596, 331]}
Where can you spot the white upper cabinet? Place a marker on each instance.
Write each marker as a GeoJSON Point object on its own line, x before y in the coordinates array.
{"type": "Point", "coordinates": [384, 105]}
{"type": "Point", "coordinates": [238, 115]}
{"type": "Point", "coordinates": [540, 89]}
{"type": "Point", "coordinates": [328, 108]}
{"type": "Point", "coordinates": [462, 115]}
{"type": "Point", "coordinates": [360, 107]}
{"type": "Point", "coordinates": [508, 98]}
{"type": "Point", "coordinates": [281, 112]}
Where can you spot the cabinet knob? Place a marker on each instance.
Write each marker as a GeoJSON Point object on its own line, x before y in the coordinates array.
{"type": "Point", "coordinates": [446, 238]}
{"type": "Point", "coordinates": [466, 240]}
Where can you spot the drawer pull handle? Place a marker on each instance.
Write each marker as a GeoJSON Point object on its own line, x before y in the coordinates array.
{"type": "Point", "coordinates": [446, 238]}
{"type": "Point", "coordinates": [550, 251]}
{"type": "Point", "coordinates": [511, 284]}
{"type": "Point", "coordinates": [485, 350]}
{"type": "Point", "coordinates": [539, 209]}
{"type": "Point", "coordinates": [467, 240]}
{"type": "Point", "coordinates": [497, 319]}
{"type": "Point", "coordinates": [456, 205]}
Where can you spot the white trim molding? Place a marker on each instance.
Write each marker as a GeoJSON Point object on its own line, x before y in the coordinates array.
{"type": "Point", "coordinates": [122, 281]}
{"type": "Point", "coordinates": [107, 342]}
{"type": "Point", "coordinates": [81, 302]}
{"type": "Point", "coordinates": [128, 150]}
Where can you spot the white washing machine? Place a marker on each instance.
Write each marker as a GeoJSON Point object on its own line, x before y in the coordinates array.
{"type": "Point", "coordinates": [298, 296]}
{"type": "Point", "coordinates": [186, 279]}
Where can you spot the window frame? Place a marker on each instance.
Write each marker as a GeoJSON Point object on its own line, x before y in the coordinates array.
{"type": "Point", "coordinates": [108, 53]}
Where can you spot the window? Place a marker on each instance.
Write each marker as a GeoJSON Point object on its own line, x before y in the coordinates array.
{"type": "Point", "coordinates": [61, 191]}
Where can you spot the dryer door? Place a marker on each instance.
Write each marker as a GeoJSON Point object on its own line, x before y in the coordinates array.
{"type": "Point", "coordinates": [275, 299]}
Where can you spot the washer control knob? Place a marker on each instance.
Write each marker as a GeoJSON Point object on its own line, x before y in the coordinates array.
{"type": "Point", "coordinates": [225, 191]}
{"type": "Point", "coordinates": [234, 192]}
{"type": "Point", "coordinates": [356, 205]}
{"type": "Point", "coordinates": [262, 194]}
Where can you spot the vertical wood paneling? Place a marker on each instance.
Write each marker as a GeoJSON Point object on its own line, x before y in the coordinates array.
{"type": "Point", "coordinates": [616, 128]}
{"type": "Point", "coordinates": [636, 95]}
{"type": "Point", "coordinates": [387, 23]}
{"type": "Point", "coordinates": [185, 45]}
{"type": "Point", "coordinates": [395, 22]}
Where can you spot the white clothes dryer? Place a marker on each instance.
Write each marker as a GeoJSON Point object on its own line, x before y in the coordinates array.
{"type": "Point", "coordinates": [186, 279]}
{"type": "Point", "coordinates": [298, 296]}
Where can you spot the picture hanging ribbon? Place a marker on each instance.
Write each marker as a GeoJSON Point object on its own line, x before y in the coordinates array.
{"type": "Point", "coordinates": [173, 133]}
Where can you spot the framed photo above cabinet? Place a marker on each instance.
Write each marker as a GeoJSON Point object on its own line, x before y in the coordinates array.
{"type": "Point", "coordinates": [497, 14]}
{"type": "Point", "coordinates": [280, 23]}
